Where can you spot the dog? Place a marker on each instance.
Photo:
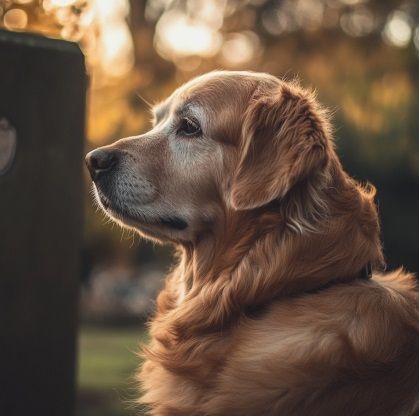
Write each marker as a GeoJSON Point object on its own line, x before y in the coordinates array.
{"type": "Point", "coordinates": [272, 308]}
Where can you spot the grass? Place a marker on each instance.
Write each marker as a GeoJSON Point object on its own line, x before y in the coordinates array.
{"type": "Point", "coordinates": [107, 364]}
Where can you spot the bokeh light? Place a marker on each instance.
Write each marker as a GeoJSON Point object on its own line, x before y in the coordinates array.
{"type": "Point", "coordinates": [100, 26]}
{"type": "Point", "coordinates": [398, 31]}
{"type": "Point", "coordinates": [177, 34]}
{"type": "Point", "coordinates": [240, 48]}
{"type": "Point", "coordinates": [15, 19]}
{"type": "Point", "coordinates": [416, 38]}
{"type": "Point", "coordinates": [114, 47]}
{"type": "Point", "coordinates": [359, 22]}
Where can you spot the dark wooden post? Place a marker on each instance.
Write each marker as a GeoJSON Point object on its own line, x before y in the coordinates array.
{"type": "Point", "coordinates": [42, 98]}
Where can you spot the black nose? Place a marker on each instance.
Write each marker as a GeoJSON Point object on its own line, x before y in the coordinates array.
{"type": "Point", "coordinates": [100, 161]}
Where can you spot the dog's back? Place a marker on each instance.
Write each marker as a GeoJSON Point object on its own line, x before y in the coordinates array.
{"type": "Point", "coordinates": [351, 349]}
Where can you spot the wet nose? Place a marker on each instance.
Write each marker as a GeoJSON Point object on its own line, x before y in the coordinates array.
{"type": "Point", "coordinates": [100, 161]}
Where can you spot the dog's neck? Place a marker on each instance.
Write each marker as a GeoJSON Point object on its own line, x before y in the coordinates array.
{"type": "Point", "coordinates": [256, 257]}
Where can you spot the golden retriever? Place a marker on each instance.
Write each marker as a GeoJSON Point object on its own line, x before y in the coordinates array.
{"type": "Point", "coordinates": [270, 309]}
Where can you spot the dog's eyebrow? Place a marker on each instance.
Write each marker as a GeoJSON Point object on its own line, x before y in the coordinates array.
{"type": "Point", "coordinates": [188, 107]}
{"type": "Point", "coordinates": [159, 111]}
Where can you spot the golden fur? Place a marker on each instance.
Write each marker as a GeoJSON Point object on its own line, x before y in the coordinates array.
{"type": "Point", "coordinates": [266, 313]}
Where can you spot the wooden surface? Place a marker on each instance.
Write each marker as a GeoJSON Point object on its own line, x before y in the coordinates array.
{"type": "Point", "coordinates": [42, 94]}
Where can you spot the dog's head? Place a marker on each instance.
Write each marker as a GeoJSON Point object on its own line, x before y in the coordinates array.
{"type": "Point", "coordinates": [224, 142]}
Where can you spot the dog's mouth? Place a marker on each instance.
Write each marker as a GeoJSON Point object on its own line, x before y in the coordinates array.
{"type": "Point", "coordinates": [174, 222]}
{"type": "Point", "coordinates": [131, 218]}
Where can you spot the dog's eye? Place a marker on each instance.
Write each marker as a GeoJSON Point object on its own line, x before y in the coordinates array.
{"type": "Point", "coordinates": [189, 128]}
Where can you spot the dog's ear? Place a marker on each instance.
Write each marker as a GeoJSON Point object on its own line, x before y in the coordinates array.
{"type": "Point", "coordinates": [284, 140]}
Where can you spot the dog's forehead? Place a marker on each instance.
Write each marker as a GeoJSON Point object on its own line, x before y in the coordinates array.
{"type": "Point", "coordinates": [216, 85]}
{"type": "Point", "coordinates": [212, 92]}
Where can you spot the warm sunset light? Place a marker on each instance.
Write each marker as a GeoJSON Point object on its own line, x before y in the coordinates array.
{"type": "Point", "coordinates": [114, 48]}
{"type": "Point", "coordinates": [106, 148]}
{"type": "Point", "coordinates": [176, 34]}
{"type": "Point", "coordinates": [102, 30]}
{"type": "Point", "coordinates": [116, 51]}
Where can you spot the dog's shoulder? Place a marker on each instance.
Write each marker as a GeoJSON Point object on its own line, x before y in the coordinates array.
{"type": "Point", "coordinates": [345, 326]}
{"type": "Point", "coordinates": [350, 340]}
{"type": "Point", "coordinates": [364, 315]}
